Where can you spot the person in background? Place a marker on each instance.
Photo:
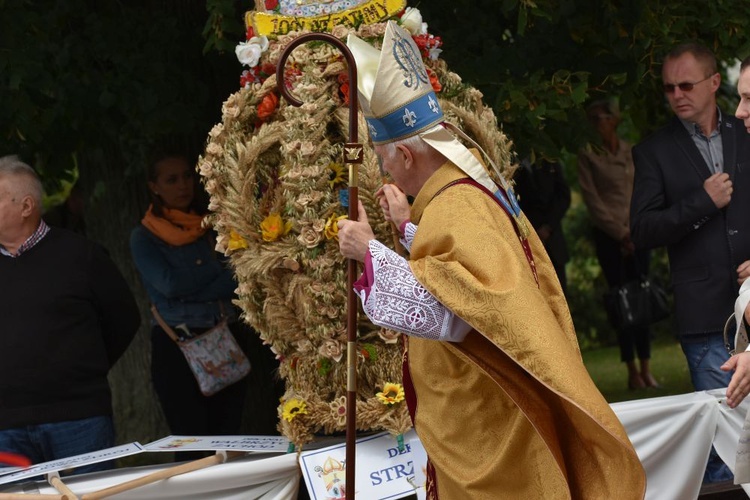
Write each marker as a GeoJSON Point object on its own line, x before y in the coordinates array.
{"type": "Point", "coordinates": [544, 196]}
{"type": "Point", "coordinates": [189, 284]}
{"type": "Point", "coordinates": [692, 195]}
{"type": "Point", "coordinates": [605, 174]}
{"type": "Point", "coordinates": [67, 316]}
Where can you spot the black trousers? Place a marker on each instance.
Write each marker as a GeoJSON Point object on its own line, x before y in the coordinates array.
{"type": "Point", "coordinates": [618, 270]}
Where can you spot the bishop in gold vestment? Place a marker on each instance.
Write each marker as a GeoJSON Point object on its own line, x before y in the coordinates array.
{"type": "Point", "coordinates": [498, 392]}
{"type": "Point", "coordinates": [509, 412]}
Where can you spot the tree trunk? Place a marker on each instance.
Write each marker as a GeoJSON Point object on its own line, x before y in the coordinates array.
{"type": "Point", "coordinates": [116, 203]}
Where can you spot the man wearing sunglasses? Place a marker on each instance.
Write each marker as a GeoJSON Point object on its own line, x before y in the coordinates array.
{"type": "Point", "coordinates": [692, 194]}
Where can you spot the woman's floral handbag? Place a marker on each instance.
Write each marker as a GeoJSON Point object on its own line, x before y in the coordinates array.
{"type": "Point", "coordinates": [214, 356]}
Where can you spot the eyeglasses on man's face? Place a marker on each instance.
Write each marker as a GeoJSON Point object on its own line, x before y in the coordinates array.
{"type": "Point", "coordinates": [669, 88]}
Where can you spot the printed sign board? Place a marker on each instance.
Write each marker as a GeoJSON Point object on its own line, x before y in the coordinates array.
{"type": "Point", "coordinates": [383, 471]}
{"type": "Point", "coordinates": [72, 462]}
{"type": "Point", "coordinates": [265, 444]}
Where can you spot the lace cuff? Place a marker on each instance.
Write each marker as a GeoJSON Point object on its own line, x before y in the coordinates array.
{"type": "Point", "coordinates": [407, 234]}
{"type": "Point", "coordinates": [393, 298]}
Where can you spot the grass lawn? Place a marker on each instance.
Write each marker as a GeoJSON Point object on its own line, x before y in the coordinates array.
{"type": "Point", "coordinates": [667, 364]}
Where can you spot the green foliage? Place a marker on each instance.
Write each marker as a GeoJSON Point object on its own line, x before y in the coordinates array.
{"type": "Point", "coordinates": [224, 28]}
{"type": "Point", "coordinates": [84, 76]}
{"type": "Point", "coordinates": [78, 74]}
{"type": "Point", "coordinates": [539, 62]}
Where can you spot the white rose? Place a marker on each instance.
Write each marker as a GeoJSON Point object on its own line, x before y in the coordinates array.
{"type": "Point", "coordinates": [260, 40]}
{"type": "Point", "coordinates": [248, 53]}
{"type": "Point", "coordinates": [412, 21]}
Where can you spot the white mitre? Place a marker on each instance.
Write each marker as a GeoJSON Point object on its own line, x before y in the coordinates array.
{"type": "Point", "coordinates": [398, 101]}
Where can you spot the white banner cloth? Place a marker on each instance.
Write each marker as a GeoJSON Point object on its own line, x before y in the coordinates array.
{"type": "Point", "coordinates": [672, 436]}
{"type": "Point", "coordinates": [261, 477]}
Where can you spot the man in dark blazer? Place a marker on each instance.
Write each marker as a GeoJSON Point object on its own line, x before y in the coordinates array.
{"type": "Point", "coordinates": [692, 195]}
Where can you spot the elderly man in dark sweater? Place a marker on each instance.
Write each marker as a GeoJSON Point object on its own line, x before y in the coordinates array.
{"type": "Point", "coordinates": [66, 316]}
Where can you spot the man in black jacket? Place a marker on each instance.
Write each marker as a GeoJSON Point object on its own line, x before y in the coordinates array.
{"type": "Point", "coordinates": [66, 316]}
{"type": "Point", "coordinates": [692, 195]}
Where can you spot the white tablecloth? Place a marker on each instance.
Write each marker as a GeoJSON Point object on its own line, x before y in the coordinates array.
{"type": "Point", "coordinates": [672, 436]}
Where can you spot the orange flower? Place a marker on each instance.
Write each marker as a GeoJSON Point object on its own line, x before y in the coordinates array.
{"type": "Point", "coordinates": [273, 227]}
{"type": "Point", "coordinates": [434, 81]}
{"type": "Point", "coordinates": [267, 106]}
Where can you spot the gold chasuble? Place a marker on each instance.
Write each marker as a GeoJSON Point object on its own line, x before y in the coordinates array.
{"type": "Point", "coordinates": [510, 412]}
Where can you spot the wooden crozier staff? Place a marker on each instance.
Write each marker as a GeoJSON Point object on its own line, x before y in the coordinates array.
{"type": "Point", "coordinates": [353, 154]}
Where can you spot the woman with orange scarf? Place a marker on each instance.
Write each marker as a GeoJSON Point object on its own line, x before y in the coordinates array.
{"type": "Point", "coordinates": [190, 285]}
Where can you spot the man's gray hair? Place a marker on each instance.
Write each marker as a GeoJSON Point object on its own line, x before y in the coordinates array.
{"type": "Point", "coordinates": [30, 184]}
{"type": "Point", "coordinates": [415, 143]}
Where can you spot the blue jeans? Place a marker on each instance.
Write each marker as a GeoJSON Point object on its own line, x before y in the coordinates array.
{"type": "Point", "coordinates": [47, 442]}
{"type": "Point", "coordinates": [704, 359]}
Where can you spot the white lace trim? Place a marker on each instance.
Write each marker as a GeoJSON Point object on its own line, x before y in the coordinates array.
{"type": "Point", "coordinates": [409, 231]}
{"type": "Point", "coordinates": [399, 302]}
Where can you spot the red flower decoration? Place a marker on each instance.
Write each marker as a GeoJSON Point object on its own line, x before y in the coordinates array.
{"type": "Point", "coordinates": [425, 42]}
{"type": "Point", "coordinates": [250, 33]}
{"type": "Point", "coordinates": [267, 106]}
{"type": "Point", "coordinates": [290, 74]}
{"type": "Point", "coordinates": [272, 4]}
{"type": "Point", "coordinates": [268, 69]}
{"type": "Point", "coordinates": [434, 81]}
{"type": "Point", "coordinates": [246, 78]}
{"type": "Point", "coordinates": [257, 74]}
{"type": "Point", "coordinates": [344, 87]}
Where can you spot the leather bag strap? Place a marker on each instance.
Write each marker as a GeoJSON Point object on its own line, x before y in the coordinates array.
{"type": "Point", "coordinates": [164, 326]}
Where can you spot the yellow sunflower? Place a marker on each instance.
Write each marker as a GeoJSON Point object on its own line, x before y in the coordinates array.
{"type": "Point", "coordinates": [292, 408]}
{"type": "Point", "coordinates": [337, 175]}
{"type": "Point", "coordinates": [392, 394]}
